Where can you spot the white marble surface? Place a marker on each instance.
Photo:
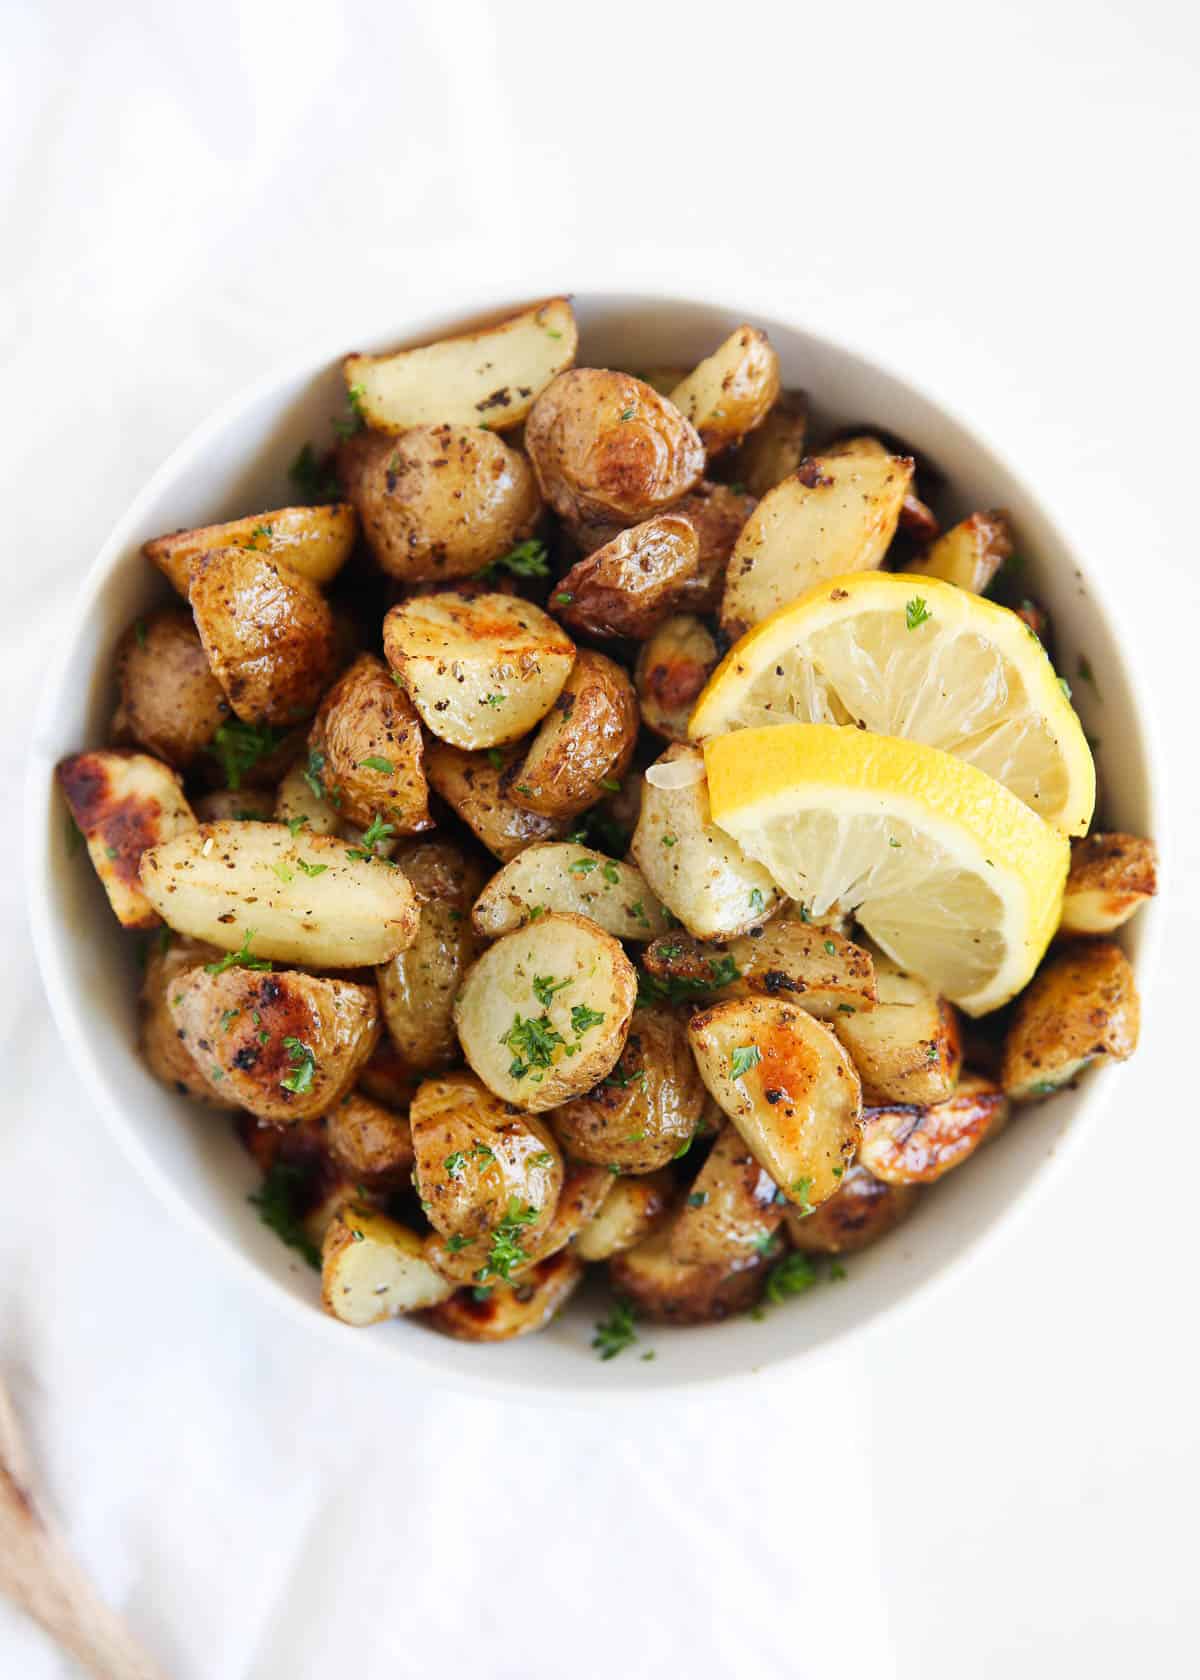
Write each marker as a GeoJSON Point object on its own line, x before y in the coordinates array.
{"type": "Point", "coordinates": [1006, 1480]}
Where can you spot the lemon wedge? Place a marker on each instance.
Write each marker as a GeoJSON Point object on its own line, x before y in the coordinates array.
{"type": "Point", "coordinates": [918, 658]}
{"type": "Point", "coordinates": [946, 870]}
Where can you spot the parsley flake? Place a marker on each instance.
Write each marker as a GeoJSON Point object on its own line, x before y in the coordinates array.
{"type": "Point", "coordinates": [916, 613]}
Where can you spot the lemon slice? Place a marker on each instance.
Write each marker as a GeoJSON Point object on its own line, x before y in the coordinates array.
{"type": "Point", "coordinates": [946, 870]}
{"type": "Point", "coordinates": [918, 658]}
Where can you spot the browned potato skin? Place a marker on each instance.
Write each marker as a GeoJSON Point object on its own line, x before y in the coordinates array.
{"type": "Point", "coordinates": [926, 1071]}
{"type": "Point", "coordinates": [508, 1310]}
{"type": "Point", "coordinates": [605, 445]}
{"type": "Point", "coordinates": [672, 669]}
{"type": "Point", "coordinates": [444, 501]}
{"type": "Point", "coordinates": [723, 413]}
{"type": "Point", "coordinates": [371, 1144]}
{"type": "Point", "coordinates": [387, 1078]}
{"type": "Point", "coordinates": [971, 552]}
{"type": "Point", "coordinates": [324, 537]}
{"type": "Point", "coordinates": [632, 1209]}
{"type": "Point", "coordinates": [774, 450]}
{"type": "Point", "coordinates": [1082, 1006]}
{"type": "Point", "coordinates": [667, 1291]}
{"type": "Point", "coordinates": [418, 987]}
{"type": "Point", "coordinates": [861, 1212]}
{"type": "Point", "coordinates": [123, 804]}
{"type": "Point", "coordinates": [904, 1144]}
{"type": "Point", "coordinates": [337, 1019]}
{"type": "Point", "coordinates": [268, 634]}
{"type": "Point", "coordinates": [366, 715]}
{"type": "Point", "coordinates": [584, 1188]}
{"type": "Point", "coordinates": [169, 958]}
{"type": "Point", "coordinates": [638, 1126]}
{"type": "Point", "coordinates": [171, 703]}
{"type": "Point", "coordinates": [244, 804]}
{"type": "Point", "coordinates": [825, 973]}
{"type": "Point", "coordinates": [1111, 875]}
{"type": "Point", "coordinates": [732, 1209]}
{"type": "Point", "coordinates": [718, 512]}
{"type": "Point", "coordinates": [472, 785]}
{"type": "Point", "coordinates": [627, 587]}
{"type": "Point", "coordinates": [587, 739]}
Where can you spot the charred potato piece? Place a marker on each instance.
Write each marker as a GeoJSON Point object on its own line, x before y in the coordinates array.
{"type": "Point", "coordinates": [863, 1210]}
{"type": "Point", "coordinates": [774, 450]}
{"type": "Point", "coordinates": [1111, 875]}
{"type": "Point", "coordinates": [370, 1143]}
{"type": "Point", "coordinates": [373, 1268]}
{"type": "Point", "coordinates": [268, 634]}
{"type": "Point", "coordinates": [918, 520]}
{"type": "Point", "coordinates": [969, 554]}
{"type": "Point", "coordinates": [700, 873]}
{"type": "Point", "coordinates": [812, 966]}
{"type": "Point", "coordinates": [646, 1111]}
{"type": "Point", "coordinates": [1081, 1007]}
{"type": "Point", "coordinates": [903, 1144]}
{"type": "Point", "coordinates": [242, 805]}
{"type": "Point", "coordinates": [285, 1046]}
{"type": "Point", "coordinates": [472, 784]}
{"type": "Point", "coordinates": [312, 541]}
{"type": "Point", "coordinates": [445, 501]}
{"type": "Point", "coordinates": [719, 512]}
{"type": "Point", "coordinates": [170, 701]}
{"type": "Point", "coordinates": [629, 1213]}
{"type": "Point", "coordinates": [542, 1016]}
{"type": "Point", "coordinates": [569, 877]}
{"type": "Point", "coordinates": [584, 744]}
{"type": "Point", "coordinates": [672, 669]}
{"type": "Point", "coordinates": [489, 377]}
{"type": "Point", "coordinates": [730, 392]}
{"type": "Point", "coordinates": [369, 736]}
{"type": "Point", "coordinates": [167, 1057]}
{"type": "Point", "coordinates": [606, 446]}
{"type": "Point", "coordinates": [124, 804]}
{"type": "Point", "coordinates": [670, 1291]}
{"type": "Point", "coordinates": [292, 897]}
{"type": "Point", "coordinates": [632, 583]}
{"type": "Point", "coordinates": [908, 1049]}
{"type": "Point", "coordinates": [301, 801]}
{"type": "Point", "coordinates": [498, 1312]}
{"type": "Point", "coordinates": [732, 1210]}
{"type": "Point", "coordinates": [789, 1088]}
{"type": "Point", "coordinates": [481, 671]}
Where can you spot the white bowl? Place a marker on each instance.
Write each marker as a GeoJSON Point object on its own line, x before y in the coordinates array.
{"type": "Point", "coordinates": [237, 463]}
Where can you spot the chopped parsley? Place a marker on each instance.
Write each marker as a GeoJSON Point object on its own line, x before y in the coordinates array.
{"type": "Point", "coordinates": [284, 873]}
{"type": "Point", "coordinates": [311, 868]}
{"type": "Point", "coordinates": [295, 824]}
{"type": "Point", "coordinates": [583, 866]}
{"type": "Point", "coordinates": [609, 786]}
{"type": "Point", "coordinates": [830, 948]}
{"type": "Point", "coordinates": [684, 1147]}
{"type": "Point", "coordinates": [316, 782]}
{"type": "Point", "coordinates": [582, 1018]}
{"type": "Point", "coordinates": [800, 1190]}
{"type": "Point", "coordinates": [790, 1276]}
{"type": "Point", "coordinates": [355, 420]}
{"type": "Point", "coordinates": [545, 986]}
{"type": "Point", "coordinates": [456, 1244]}
{"type": "Point", "coordinates": [315, 480]}
{"type": "Point", "coordinates": [506, 1250]}
{"type": "Point", "coordinates": [616, 1332]}
{"type": "Point", "coordinates": [493, 700]}
{"type": "Point", "coordinates": [373, 838]}
{"type": "Point", "coordinates": [670, 839]}
{"type": "Point", "coordinates": [745, 1057]}
{"type": "Point", "coordinates": [651, 989]}
{"type": "Point", "coordinates": [916, 613]}
{"type": "Point", "coordinates": [278, 1200]}
{"type": "Point", "coordinates": [527, 559]}
{"type": "Point", "coordinates": [628, 414]}
{"type": "Point", "coordinates": [697, 1198]}
{"type": "Point", "coordinates": [304, 1065]}
{"type": "Point", "coordinates": [139, 630]}
{"type": "Point", "coordinates": [543, 1158]}
{"type": "Point", "coordinates": [564, 597]}
{"type": "Point", "coordinates": [533, 1044]}
{"type": "Point", "coordinates": [384, 766]}
{"type": "Point", "coordinates": [455, 1163]}
{"type": "Point", "coordinates": [495, 758]}
{"type": "Point", "coordinates": [228, 1017]}
{"type": "Point", "coordinates": [239, 959]}
{"type": "Point", "coordinates": [238, 746]}
{"type": "Point", "coordinates": [757, 901]}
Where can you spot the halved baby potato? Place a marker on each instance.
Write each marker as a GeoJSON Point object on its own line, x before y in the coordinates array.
{"type": "Point", "coordinates": [368, 736]}
{"type": "Point", "coordinates": [1081, 1007]}
{"type": "Point", "coordinates": [472, 784]}
{"type": "Point", "coordinates": [633, 1208]}
{"type": "Point", "coordinates": [1110, 876]}
{"type": "Point", "coordinates": [774, 450]}
{"type": "Point", "coordinates": [719, 513]}
{"type": "Point", "coordinates": [584, 1189]}
{"type": "Point", "coordinates": [418, 987]}
{"type": "Point", "coordinates": [730, 392]}
{"type": "Point", "coordinates": [628, 586]}
{"type": "Point", "coordinates": [789, 1088]}
{"type": "Point", "coordinates": [312, 541]}
{"type": "Point", "coordinates": [499, 1311]}
{"type": "Point", "coordinates": [969, 553]}
{"type": "Point", "coordinates": [569, 877]}
{"type": "Point", "coordinates": [171, 703]}
{"type": "Point", "coordinates": [371, 1144]}
{"type": "Point", "coordinates": [861, 1212]}
{"type": "Point", "coordinates": [482, 671]}
{"type": "Point", "coordinates": [543, 1014]}
{"type": "Point", "coordinates": [820, 970]}
{"type": "Point", "coordinates": [170, 958]}
{"type": "Point", "coordinates": [904, 1144]}
{"type": "Point", "coordinates": [672, 669]}
{"type": "Point", "coordinates": [670, 1291]}
{"type": "Point", "coordinates": [732, 1210]}
{"type": "Point", "coordinates": [908, 1049]}
{"type": "Point", "coordinates": [125, 804]}
{"type": "Point", "coordinates": [374, 1268]}
{"type": "Point", "coordinates": [301, 801]}
{"type": "Point", "coordinates": [584, 744]}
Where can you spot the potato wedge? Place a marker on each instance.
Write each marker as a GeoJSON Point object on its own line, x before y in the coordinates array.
{"type": "Point", "coordinates": [789, 1088]}
{"type": "Point", "coordinates": [700, 873]}
{"type": "Point", "coordinates": [481, 671]}
{"type": "Point", "coordinates": [908, 1049]}
{"type": "Point", "coordinates": [903, 1144]}
{"type": "Point", "coordinates": [645, 1112]}
{"type": "Point", "coordinates": [863, 1210]}
{"type": "Point", "coordinates": [370, 1143]}
{"type": "Point", "coordinates": [719, 512]}
{"type": "Point", "coordinates": [584, 745]}
{"type": "Point", "coordinates": [445, 501]}
{"type": "Point", "coordinates": [969, 554]}
{"type": "Point", "coordinates": [670, 1291]}
{"type": "Point", "coordinates": [672, 668]}
{"type": "Point", "coordinates": [629, 1213]}
{"type": "Point", "coordinates": [836, 514]}
{"type": "Point", "coordinates": [568, 877]}
{"type": "Point", "coordinates": [1111, 875]}
{"type": "Point", "coordinates": [498, 1312]}
{"type": "Point", "coordinates": [823, 972]}
{"type": "Point", "coordinates": [472, 785]}
{"type": "Point", "coordinates": [606, 446]}
{"type": "Point", "coordinates": [774, 450]}
{"type": "Point", "coordinates": [268, 634]}
{"type": "Point", "coordinates": [226, 805]}
{"type": "Point", "coordinates": [543, 1014]}
{"type": "Point", "coordinates": [168, 959]}
{"type": "Point", "coordinates": [490, 377]}
{"type": "Point", "coordinates": [124, 804]}
{"type": "Point", "coordinates": [418, 987]}
{"type": "Point", "coordinates": [1081, 1007]}
{"type": "Point", "coordinates": [300, 800]}
{"type": "Point", "coordinates": [171, 703]}
{"type": "Point", "coordinates": [373, 1268]}
{"type": "Point", "coordinates": [369, 736]}
{"type": "Point", "coordinates": [285, 1046]}
{"type": "Point", "coordinates": [732, 1210]}
{"type": "Point", "coordinates": [730, 392]}
{"type": "Point", "coordinates": [627, 587]}
{"type": "Point", "coordinates": [314, 541]}
{"type": "Point", "coordinates": [294, 898]}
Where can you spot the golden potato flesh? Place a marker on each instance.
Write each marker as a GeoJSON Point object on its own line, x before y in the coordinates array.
{"type": "Point", "coordinates": [171, 702]}
{"type": "Point", "coordinates": [369, 737]}
{"type": "Point", "coordinates": [268, 634]}
{"type": "Point", "coordinates": [731, 391]}
{"type": "Point", "coordinates": [903, 1144]}
{"type": "Point", "coordinates": [584, 744]}
{"type": "Point", "coordinates": [124, 804]}
{"type": "Point", "coordinates": [774, 450]}
{"type": "Point", "coordinates": [498, 1312]}
{"type": "Point", "coordinates": [672, 669]}
{"type": "Point", "coordinates": [732, 1210]}
{"type": "Point", "coordinates": [1081, 1007]}
{"type": "Point", "coordinates": [1110, 876]}
{"type": "Point", "coordinates": [633, 1208]}
{"type": "Point", "coordinates": [370, 1143]}
{"type": "Point", "coordinates": [908, 1049]}
{"type": "Point", "coordinates": [632, 583]}
{"type": "Point", "coordinates": [418, 987]}
{"type": "Point", "coordinates": [165, 1054]}
{"type": "Point", "coordinates": [719, 513]}
{"type": "Point", "coordinates": [815, 967]}
{"type": "Point", "coordinates": [313, 541]}
{"type": "Point", "coordinates": [969, 554]}
{"type": "Point", "coordinates": [862, 1211]}
{"type": "Point", "coordinates": [445, 501]}
{"type": "Point", "coordinates": [569, 877]}
{"type": "Point", "coordinates": [373, 1268]}
{"type": "Point", "coordinates": [472, 784]}
{"type": "Point", "coordinates": [670, 1291]}
{"type": "Point", "coordinates": [240, 805]}
{"type": "Point", "coordinates": [605, 445]}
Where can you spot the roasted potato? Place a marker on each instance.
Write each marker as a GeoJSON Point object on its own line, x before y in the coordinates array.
{"type": "Point", "coordinates": [584, 744]}
{"type": "Point", "coordinates": [301, 801]}
{"type": "Point", "coordinates": [969, 554]}
{"type": "Point", "coordinates": [1081, 1007]}
{"type": "Point", "coordinates": [268, 634]}
{"type": "Point", "coordinates": [472, 784]}
{"type": "Point", "coordinates": [481, 671]}
{"type": "Point", "coordinates": [672, 669]}
{"type": "Point", "coordinates": [543, 1014]}
{"type": "Point", "coordinates": [908, 1049]}
{"type": "Point", "coordinates": [719, 512]}
{"type": "Point", "coordinates": [169, 958]}
{"type": "Point", "coordinates": [445, 501]}
{"type": "Point", "coordinates": [730, 392]}
{"type": "Point", "coordinates": [498, 1312]}
{"type": "Point", "coordinates": [632, 1209]}
{"type": "Point", "coordinates": [1110, 876]}
{"type": "Point", "coordinates": [490, 377]}
{"type": "Point", "coordinates": [862, 1211]}
{"type": "Point", "coordinates": [627, 587]}
{"type": "Point", "coordinates": [387, 1077]}
{"type": "Point", "coordinates": [670, 1291]}
{"type": "Point", "coordinates": [313, 541]}
{"type": "Point", "coordinates": [285, 1046]}
{"type": "Point", "coordinates": [733, 1208]}
{"type": "Point", "coordinates": [418, 987]}
{"type": "Point", "coordinates": [373, 1268]}
{"type": "Point", "coordinates": [774, 450]}
{"type": "Point", "coordinates": [242, 805]}
{"type": "Point", "coordinates": [836, 514]}
{"type": "Point", "coordinates": [371, 1144]}
{"type": "Point", "coordinates": [584, 1188]}
{"type": "Point", "coordinates": [369, 738]}
{"type": "Point", "coordinates": [645, 1112]}
{"type": "Point", "coordinates": [904, 1144]}
{"type": "Point", "coordinates": [700, 873]}
{"type": "Point", "coordinates": [606, 446]}
{"type": "Point", "coordinates": [573, 878]}
{"type": "Point", "coordinates": [820, 970]}
{"type": "Point", "coordinates": [789, 1088]}
{"type": "Point", "coordinates": [124, 803]}
{"type": "Point", "coordinates": [171, 703]}
{"type": "Point", "coordinates": [294, 897]}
